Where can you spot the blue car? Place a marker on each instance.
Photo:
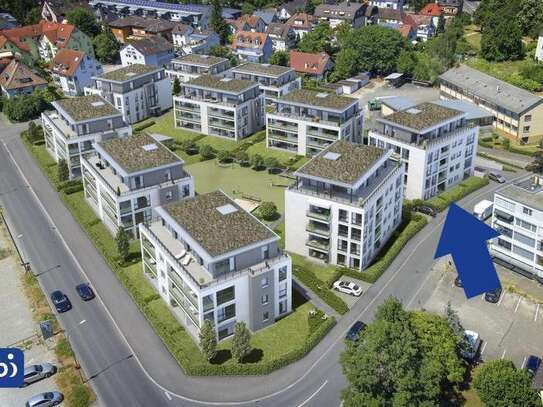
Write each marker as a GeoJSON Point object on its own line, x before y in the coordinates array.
{"type": "Point", "coordinates": [85, 292]}
{"type": "Point", "coordinates": [355, 330]}
{"type": "Point", "coordinates": [61, 301]}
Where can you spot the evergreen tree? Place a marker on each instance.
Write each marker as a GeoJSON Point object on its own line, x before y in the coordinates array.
{"type": "Point", "coordinates": [208, 340]}
{"type": "Point", "coordinates": [123, 244]}
{"type": "Point", "coordinates": [280, 58]}
{"type": "Point", "coordinates": [241, 342]}
{"type": "Point", "coordinates": [501, 38]}
{"type": "Point", "coordinates": [176, 87]}
{"type": "Point", "coordinates": [62, 170]}
{"type": "Point", "coordinates": [216, 21]}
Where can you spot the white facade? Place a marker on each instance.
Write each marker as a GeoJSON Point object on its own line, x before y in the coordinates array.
{"type": "Point", "coordinates": [192, 66]}
{"type": "Point", "coordinates": [131, 55]}
{"type": "Point", "coordinates": [393, 4]}
{"type": "Point", "coordinates": [539, 49]}
{"type": "Point", "coordinates": [74, 84]}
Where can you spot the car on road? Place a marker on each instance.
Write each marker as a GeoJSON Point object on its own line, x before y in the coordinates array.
{"type": "Point", "coordinates": [85, 291]}
{"type": "Point", "coordinates": [473, 344]}
{"type": "Point", "coordinates": [348, 287]}
{"type": "Point", "coordinates": [61, 301]}
{"type": "Point", "coordinates": [34, 373]}
{"type": "Point", "coordinates": [354, 331]}
{"type": "Point", "coordinates": [496, 176]}
{"type": "Point", "coordinates": [532, 365]}
{"type": "Point", "coordinates": [425, 209]}
{"type": "Point", "coordinates": [494, 295]}
{"type": "Point", "coordinates": [48, 399]}
{"type": "Point", "coordinates": [458, 282]}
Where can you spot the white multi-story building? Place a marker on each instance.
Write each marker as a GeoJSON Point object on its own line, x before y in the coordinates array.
{"type": "Point", "coordinates": [345, 204]}
{"type": "Point", "coordinates": [137, 91]}
{"type": "Point", "coordinates": [153, 50]}
{"type": "Point", "coordinates": [223, 107]}
{"type": "Point", "coordinates": [191, 66]}
{"type": "Point", "coordinates": [436, 143]}
{"type": "Point", "coordinates": [126, 178]}
{"type": "Point", "coordinates": [518, 217]}
{"type": "Point", "coordinates": [76, 124]}
{"type": "Point", "coordinates": [306, 121]}
{"type": "Point", "coordinates": [274, 80]}
{"type": "Point", "coordinates": [209, 259]}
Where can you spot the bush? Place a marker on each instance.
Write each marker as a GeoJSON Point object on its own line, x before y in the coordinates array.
{"type": "Point", "coordinates": [72, 189]}
{"type": "Point", "coordinates": [242, 157]}
{"type": "Point", "coordinates": [271, 162]}
{"type": "Point", "coordinates": [143, 126]}
{"type": "Point", "coordinates": [23, 108]}
{"type": "Point", "coordinates": [466, 187]}
{"type": "Point", "coordinates": [70, 183]}
{"type": "Point", "coordinates": [315, 319]}
{"type": "Point", "coordinates": [80, 396]}
{"type": "Point", "coordinates": [206, 151]}
{"type": "Point", "coordinates": [267, 210]}
{"type": "Point", "coordinates": [224, 156]}
{"type": "Point", "coordinates": [257, 162]}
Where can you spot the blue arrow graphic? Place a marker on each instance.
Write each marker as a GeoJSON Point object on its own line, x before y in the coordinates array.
{"type": "Point", "coordinates": [464, 237]}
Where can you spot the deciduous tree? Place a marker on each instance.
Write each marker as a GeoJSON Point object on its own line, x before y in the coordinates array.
{"type": "Point", "coordinates": [123, 244]}
{"type": "Point", "coordinates": [85, 20]}
{"type": "Point", "coordinates": [208, 340]}
{"type": "Point", "coordinates": [241, 342]}
{"type": "Point", "coordinates": [106, 47]}
{"type": "Point", "coordinates": [217, 23]}
{"type": "Point", "coordinates": [280, 58]}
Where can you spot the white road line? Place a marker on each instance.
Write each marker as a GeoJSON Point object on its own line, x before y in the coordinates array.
{"type": "Point", "coordinates": [518, 303]}
{"type": "Point", "coordinates": [484, 347]}
{"type": "Point", "coordinates": [536, 312]}
{"type": "Point", "coordinates": [503, 354]}
{"type": "Point", "coordinates": [501, 298]}
{"type": "Point", "coordinates": [82, 321]}
{"type": "Point", "coordinates": [168, 395]}
{"type": "Point", "coordinates": [314, 394]}
{"type": "Point", "coordinates": [523, 363]}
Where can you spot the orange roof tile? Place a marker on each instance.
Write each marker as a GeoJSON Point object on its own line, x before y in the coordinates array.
{"type": "Point", "coordinates": [17, 75]}
{"type": "Point", "coordinates": [249, 39]}
{"type": "Point", "coordinates": [67, 61]}
{"type": "Point", "coordinates": [309, 63]}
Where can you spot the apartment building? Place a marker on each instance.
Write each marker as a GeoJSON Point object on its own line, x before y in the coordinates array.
{"type": "Point", "coordinates": [153, 50]}
{"type": "Point", "coordinates": [345, 204]}
{"type": "Point", "coordinates": [137, 91]}
{"type": "Point", "coordinates": [191, 66]}
{"type": "Point", "coordinates": [124, 179]}
{"type": "Point", "coordinates": [74, 126]}
{"type": "Point", "coordinates": [305, 121]}
{"type": "Point", "coordinates": [73, 70]}
{"type": "Point", "coordinates": [209, 259]}
{"type": "Point", "coordinates": [274, 80]}
{"type": "Point", "coordinates": [518, 217]}
{"type": "Point", "coordinates": [223, 107]}
{"type": "Point", "coordinates": [252, 46]}
{"type": "Point", "coordinates": [436, 143]}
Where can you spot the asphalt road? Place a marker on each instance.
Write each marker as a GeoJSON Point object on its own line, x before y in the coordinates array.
{"type": "Point", "coordinates": [125, 360]}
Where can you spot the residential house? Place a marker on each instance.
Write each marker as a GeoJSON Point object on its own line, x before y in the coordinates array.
{"type": "Point", "coordinates": [186, 40]}
{"type": "Point", "coordinates": [274, 80]}
{"type": "Point", "coordinates": [209, 259]}
{"type": "Point", "coordinates": [312, 65]}
{"type": "Point", "coordinates": [387, 16]}
{"type": "Point", "coordinates": [137, 91]}
{"type": "Point", "coordinates": [345, 205]}
{"type": "Point", "coordinates": [539, 49]}
{"type": "Point", "coordinates": [71, 130]}
{"type": "Point", "coordinates": [517, 112]}
{"type": "Point", "coordinates": [252, 46]}
{"type": "Point", "coordinates": [282, 35]}
{"type": "Point", "coordinates": [424, 26]}
{"type": "Point", "coordinates": [18, 79]}
{"type": "Point", "coordinates": [302, 23]}
{"type": "Point", "coordinates": [191, 66]}
{"type": "Point", "coordinates": [124, 179]}
{"type": "Point", "coordinates": [436, 144]}
{"type": "Point", "coordinates": [73, 70]}
{"type": "Point", "coordinates": [250, 23]}
{"type": "Point", "coordinates": [433, 10]}
{"type": "Point", "coordinates": [269, 16]}
{"type": "Point", "coordinates": [451, 7]}
{"type": "Point", "coordinates": [7, 21]}
{"type": "Point", "coordinates": [391, 4]}
{"type": "Point", "coordinates": [137, 27]}
{"type": "Point", "coordinates": [286, 10]}
{"type": "Point", "coordinates": [349, 12]}
{"type": "Point", "coordinates": [55, 11]}
{"type": "Point", "coordinates": [406, 30]}
{"type": "Point", "coordinates": [153, 51]}
{"type": "Point", "coordinates": [305, 122]}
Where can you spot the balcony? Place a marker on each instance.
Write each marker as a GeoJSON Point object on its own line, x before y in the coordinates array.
{"type": "Point", "coordinates": [323, 134]}
{"type": "Point", "coordinates": [318, 230]}
{"type": "Point", "coordinates": [276, 135]}
{"type": "Point", "coordinates": [181, 301]}
{"type": "Point", "coordinates": [223, 114]}
{"type": "Point", "coordinates": [180, 284]}
{"type": "Point", "coordinates": [284, 126]}
{"type": "Point", "coordinates": [321, 215]}
{"type": "Point", "coordinates": [221, 124]}
{"type": "Point", "coordinates": [318, 245]}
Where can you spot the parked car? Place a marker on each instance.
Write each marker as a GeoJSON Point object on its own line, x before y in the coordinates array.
{"type": "Point", "coordinates": [35, 373]}
{"type": "Point", "coordinates": [494, 295]}
{"type": "Point", "coordinates": [85, 291]}
{"type": "Point", "coordinates": [458, 282]}
{"type": "Point", "coordinates": [496, 176]}
{"type": "Point", "coordinates": [348, 287]}
{"type": "Point", "coordinates": [425, 209]}
{"type": "Point", "coordinates": [354, 331]}
{"type": "Point", "coordinates": [48, 399]}
{"type": "Point", "coordinates": [61, 301]}
{"type": "Point", "coordinates": [474, 342]}
{"type": "Point", "coordinates": [532, 365]}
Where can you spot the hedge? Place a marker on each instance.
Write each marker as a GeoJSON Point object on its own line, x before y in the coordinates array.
{"type": "Point", "coordinates": [143, 126]}
{"type": "Point", "coordinates": [466, 187]}
{"type": "Point", "coordinates": [73, 189]}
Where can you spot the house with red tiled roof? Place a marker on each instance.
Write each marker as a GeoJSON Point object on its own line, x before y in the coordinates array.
{"type": "Point", "coordinates": [252, 46]}
{"type": "Point", "coordinates": [314, 65]}
{"type": "Point", "coordinates": [433, 10]}
{"type": "Point", "coordinates": [18, 79]}
{"type": "Point", "coordinates": [73, 70]}
{"type": "Point", "coordinates": [249, 23]}
{"type": "Point", "coordinates": [424, 25]}
{"type": "Point", "coordinates": [407, 31]}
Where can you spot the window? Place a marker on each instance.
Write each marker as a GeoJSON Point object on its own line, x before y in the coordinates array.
{"type": "Point", "coordinates": [283, 273]}
{"type": "Point", "coordinates": [169, 196]}
{"type": "Point", "coordinates": [228, 294]}
{"type": "Point", "coordinates": [283, 307]}
{"type": "Point", "coordinates": [283, 292]}
{"type": "Point", "coordinates": [528, 118]}
{"type": "Point", "coordinates": [265, 252]}
{"type": "Point", "coordinates": [226, 313]}
{"type": "Point", "coordinates": [208, 302]}
{"type": "Point", "coordinates": [265, 299]}
{"type": "Point", "coordinates": [526, 129]}
{"type": "Point", "coordinates": [265, 316]}
{"type": "Point", "coordinates": [222, 266]}
{"type": "Point", "coordinates": [264, 282]}
{"type": "Point", "coordinates": [526, 225]}
{"type": "Point", "coordinates": [526, 211]}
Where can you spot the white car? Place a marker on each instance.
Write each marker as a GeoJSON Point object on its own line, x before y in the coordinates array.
{"type": "Point", "coordinates": [474, 342]}
{"type": "Point", "coordinates": [348, 287]}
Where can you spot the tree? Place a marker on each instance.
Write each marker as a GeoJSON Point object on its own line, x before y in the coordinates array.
{"type": "Point", "coordinates": [33, 16]}
{"type": "Point", "coordinates": [123, 244]}
{"type": "Point", "coordinates": [267, 210]}
{"type": "Point", "coordinates": [34, 132]}
{"type": "Point", "coordinates": [208, 340]}
{"type": "Point", "coordinates": [499, 383]}
{"type": "Point", "coordinates": [280, 58]}
{"type": "Point", "coordinates": [317, 40]}
{"type": "Point", "coordinates": [241, 342]}
{"type": "Point", "coordinates": [407, 61]}
{"type": "Point", "coordinates": [206, 151]}
{"type": "Point", "coordinates": [247, 8]}
{"type": "Point", "coordinates": [85, 20]}
{"type": "Point", "coordinates": [217, 23]}
{"type": "Point", "coordinates": [224, 156]}
{"type": "Point", "coordinates": [24, 107]}
{"type": "Point", "coordinates": [176, 86]}
{"type": "Point", "coordinates": [501, 38]}
{"type": "Point", "coordinates": [106, 47]}
{"type": "Point", "coordinates": [242, 156]}
{"type": "Point", "coordinates": [271, 162]}
{"type": "Point", "coordinates": [417, 5]}
{"type": "Point", "coordinates": [224, 52]}
{"type": "Point", "coordinates": [309, 7]}
{"type": "Point", "coordinates": [63, 172]}
{"type": "Point", "coordinates": [257, 162]}
{"type": "Point", "coordinates": [537, 164]}
{"type": "Point", "coordinates": [456, 327]}
{"type": "Point", "coordinates": [530, 17]}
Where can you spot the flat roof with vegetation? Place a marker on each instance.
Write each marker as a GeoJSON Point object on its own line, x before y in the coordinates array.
{"type": "Point", "coordinates": [84, 108]}
{"type": "Point", "coordinates": [422, 116]}
{"type": "Point", "coordinates": [328, 100]}
{"type": "Point", "coordinates": [262, 69]}
{"type": "Point", "coordinates": [528, 192]}
{"type": "Point", "coordinates": [222, 84]}
{"type": "Point", "coordinates": [218, 232]}
{"type": "Point", "coordinates": [139, 152]}
{"type": "Point", "coordinates": [343, 162]}
{"type": "Point", "coordinates": [199, 59]}
{"type": "Point", "coordinates": [128, 72]}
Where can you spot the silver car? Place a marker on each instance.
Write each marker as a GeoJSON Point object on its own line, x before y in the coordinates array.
{"type": "Point", "coordinates": [35, 373]}
{"type": "Point", "coordinates": [51, 398]}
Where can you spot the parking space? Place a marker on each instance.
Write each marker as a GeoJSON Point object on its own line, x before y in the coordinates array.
{"type": "Point", "coordinates": [350, 300]}
{"type": "Point", "coordinates": [512, 328]}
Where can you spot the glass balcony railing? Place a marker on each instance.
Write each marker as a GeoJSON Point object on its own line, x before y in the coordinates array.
{"type": "Point", "coordinates": [318, 230]}
{"type": "Point", "coordinates": [178, 282]}
{"type": "Point", "coordinates": [318, 215]}
{"type": "Point", "coordinates": [318, 244]}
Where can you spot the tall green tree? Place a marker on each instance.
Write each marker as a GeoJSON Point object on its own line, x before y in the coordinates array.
{"type": "Point", "coordinates": [241, 342]}
{"type": "Point", "coordinates": [63, 172]}
{"type": "Point", "coordinates": [106, 47]}
{"type": "Point", "coordinates": [217, 23]}
{"type": "Point", "coordinates": [176, 86]}
{"type": "Point", "coordinates": [208, 340]}
{"type": "Point", "coordinates": [224, 52]}
{"type": "Point", "coordinates": [85, 20]}
{"type": "Point", "coordinates": [317, 40]}
{"type": "Point", "coordinates": [123, 244]}
{"type": "Point", "coordinates": [501, 38]}
{"type": "Point", "coordinates": [417, 5]}
{"type": "Point", "coordinates": [530, 17]}
{"type": "Point", "coordinates": [280, 58]}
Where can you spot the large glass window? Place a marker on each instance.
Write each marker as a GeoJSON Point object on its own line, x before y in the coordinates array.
{"type": "Point", "coordinates": [283, 273]}
{"type": "Point", "coordinates": [222, 266]}
{"type": "Point", "coordinates": [228, 294]}
{"type": "Point", "coordinates": [226, 313]}
{"type": "Point", "coordinates": [208, 302]}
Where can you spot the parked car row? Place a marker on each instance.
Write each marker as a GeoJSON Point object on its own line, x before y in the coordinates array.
{"type": "Point", "coordinates": [35, 373]}
{"type": "Point", "coordinates": [61, 301]}
{"type": "Point", "coordinates": [491, 296]}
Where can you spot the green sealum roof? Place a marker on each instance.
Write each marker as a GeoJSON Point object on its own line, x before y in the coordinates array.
{"type": "Point", "coordinates": [423, 116]}
{"type": "Point", "coordinates": [128, 72]}
{"type": "Point", "coordinates": [221, 84]}
{"type": "Point", "coordinates": [199, 59]}
{"type": "Point", "coordinates": [327, 100]}
{"type": "Point", "coordinates": [84, 108]}
{"type": "Point", "coordinates": [262, 69]}
{"type": "Point", "coordinates": [218, 231]}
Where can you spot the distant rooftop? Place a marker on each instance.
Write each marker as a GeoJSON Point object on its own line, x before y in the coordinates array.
{"type": "Point", "coordinates": [217, 223]}
{"type": "Point", "coordinates": [528, 191]}
{"type": "Point", "coordinates": [128, 72]}
{"type": "Point", "coordinates": [328, 100]}
{"type": "Point", "coordinates": [422, 116]}
{"type": "Point", "coordinates": [139, 152]}
{"type": "Point", "coordinates": [262, 69]}
{"type": "Point", "coordinates": [342, 162]}
{"type": "Point", "coordinates": [89, 107]}
{"type": "Point", "coordinates": [201, 60]}
{"type": "Point", "coordinates": [222, 84]}
{"type": "Point", "coordinates": [398, 102]}
{"type": "Point", "coordinates": [473, 112]}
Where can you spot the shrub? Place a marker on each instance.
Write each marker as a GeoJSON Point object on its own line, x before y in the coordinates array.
{"type": "Point", "coordinates": [315, 319]}
{"type": "Point", "coordinates": [72, 189]}
{"type": "Point", "coordinates": [63, 172]}
{"type": "Point", "coordinates": [267, 210]}
{"type": "Point", "coordinates": [259, 137]}
{"type": "Point", "coordinates": [257, 162]}
{"type": "Point", "coordinates": [224, 156]}
{"type": "Point", "coordinates": [206, 151]}
{"type": "Point", "coordinates": [63, 349]}
{"type": "Point", "coordinates": [123, 244]}
{"type": "Point", "coordinates": [143, 126]}
{"type": "Point", "coordinates": [24, 107]}
{"type": "Point", "coordinates": [208, 340]}
{"type": "Point", "coordinates": [242, 157]}
{"type": "Point", "coordinates": [271, 162]}
{"type": "Point", "coordinates": [241, 342]}
{"type": "Point", "coordinates": [79, 396]}
{"type": "Point", "coordinates": [466, 187]}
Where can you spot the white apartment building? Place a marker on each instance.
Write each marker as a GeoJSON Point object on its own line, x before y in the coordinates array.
{"type": "Point", "coordinates": [74, 126]}
{"type": "Point", "coordinates": [274, 80]}
{"type": "Point", "coordinates": [137, 91]}
{"type": "Point", "coordinates": [345, 204]}
{"type": "Point", "coordinates": [126, 178]}
{"type": "Point", "coordinates": [436, 143]}
{"type": "Point", "coordinates": [518, 217]}
{"type": "Point", "coordinates": [223, 107]}
{"type": "Point", "coordinates": [209, 259]}
{"type": "Point", "coordinates": [306, 121]}
{"type": "Point", "coordinates": [191, 66]}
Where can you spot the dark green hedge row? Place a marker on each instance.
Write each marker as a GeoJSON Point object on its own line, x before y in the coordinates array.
{"type": "Point", "coordinates": [466, 187]}
{"type": "Point", "coordinates": [144, 125]}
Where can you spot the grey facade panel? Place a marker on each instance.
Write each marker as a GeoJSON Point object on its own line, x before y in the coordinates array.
{"type": "Point", "coordinates": [256, 292]}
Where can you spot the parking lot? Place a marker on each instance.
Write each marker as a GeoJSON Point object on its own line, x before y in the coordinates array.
{"type": "Point", "coordinates": [350, 300]}
{"type": "Point", "coordinates": [510, 329]}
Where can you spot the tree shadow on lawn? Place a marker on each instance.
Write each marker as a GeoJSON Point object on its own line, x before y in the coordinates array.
{"type": "Point", "coordinates": [222, 356]}
{"type": "Point", "coordinates": [254, 356]}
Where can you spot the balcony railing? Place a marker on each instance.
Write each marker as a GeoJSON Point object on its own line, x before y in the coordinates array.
{"type": "Point", "coordinates": [318, 215]}
{"type": "Point", "coordinates": [181, 301]}
{"type": "Point", "coordinates": [315, 244]}
{"type": "Point", "coordinates": [178, 282]}
{"type": "Point", "coordinates": [317, 230]}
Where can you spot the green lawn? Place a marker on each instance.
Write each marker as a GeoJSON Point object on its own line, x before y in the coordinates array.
{"type": "Point", "coordinates": [323, 272]}
{"type": "Point", "coordinates": [283, 156]}
{"type": "Point", "coordinates": [474, 39]}
{"type": "Point", "coordinates": [165, 125]}
{"type": "Point", "coordinates": [218, 143]}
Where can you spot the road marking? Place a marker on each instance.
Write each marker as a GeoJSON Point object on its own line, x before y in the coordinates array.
{"type": "Point", "coordinates": [518, 303]}
{"type": "Point", "coordinates": [503, 354]}
{"type": "Point", "coordinates": [82, 321]}
{"type": "Point", "coordinates": [501, 298]}
{"type": "Point", "coordinates": [536, 312]}
{"type": "Point", "coordinates": [168, 395]}
{"type": "Point", "coordinates": [483, 297]}
{"type": "Point", "coordinates": [314, 394]}
{"type": "Point", "coordinates": [523, 363]}
{"type": "Point", "coordinates": [484, 347]}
